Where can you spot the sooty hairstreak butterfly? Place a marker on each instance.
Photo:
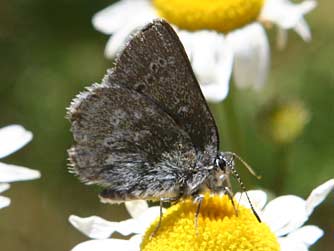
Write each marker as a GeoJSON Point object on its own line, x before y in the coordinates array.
{"type": "Point", "coordinates": [146, 131]}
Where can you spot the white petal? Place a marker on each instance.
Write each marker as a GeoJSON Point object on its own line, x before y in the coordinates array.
{"type": "Point", "coordinates": [211, 59]}
{"type": "Point", "coordinates": [257, 197]}
{"type": "Point", "coordinates": [251, 56]}
{"type": "Point", "coordinates": [318, 195]}
{"type": "Point", "coordinates": [137, 239]}
{"type": "Point", "coordinates": [120, 14]}
{"type": "Point", "coordinates": [94, 226]}
{"type": "Point", "coordinates": [303, 30]}
{"type": "Point", "coordinates": [285, 214]}
{"type": "Point", "coordinates": [146, 219]}
{"type": "Point", "coordinates": [11, 173]}
{"type": "Point", "coordinates": [217, 90]}
{"type": "Point", "coordinates": [106, 245]}
{"type": "Point", "coordinates": [136, 208]}
{"type": "Point", "coordinates": [140, 224]}
{"type": "Point", "coordinates": [204, 50]}
{"type": "Point", "coordinates": [285, 13]}
{"type": "Point", "coordinates": [307, 235]}
{"type": "Point", "coordinates": [288, 244]}
{"type": "Point", "coordinates": [115, 21]}
{"type": "Point", "coordinates": [4, 202]}
{"type": "Point", "coordinates": [12, 138]}
{"type": "Point", "coordinates": [119, 39]}
{"type": "Point", "coordinates": [98, 228]}
{"type": "Point", "coordinates": [300, 239]}
{"type": "Point", "coordinates": [4, 187]}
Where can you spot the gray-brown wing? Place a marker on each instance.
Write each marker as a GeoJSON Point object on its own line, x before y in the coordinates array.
{"type": "Point", "coordinates": [126, 143]}
{"type": "Point", "coordinates": [154, 63]}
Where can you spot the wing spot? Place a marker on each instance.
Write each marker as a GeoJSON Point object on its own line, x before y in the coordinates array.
{"type": "Point", "coordinates": [139, 87]}
{"type": "Point", "coordinates": [154, 67]}
{"type": "Point", "coordinates": [162, 62]}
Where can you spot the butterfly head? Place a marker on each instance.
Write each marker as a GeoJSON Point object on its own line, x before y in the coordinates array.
{"type": "Point", "coordinates": [224, 163]}
{"type": "Point", "coordinates": [219, 178]}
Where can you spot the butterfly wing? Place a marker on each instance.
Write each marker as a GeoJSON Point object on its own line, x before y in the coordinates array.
{"type": "Point", "coordinates": [128, 144]}
{"type": "Point", "coordinates": [146, 129]}
{"type": "Point", "coordinates": [155, 63]}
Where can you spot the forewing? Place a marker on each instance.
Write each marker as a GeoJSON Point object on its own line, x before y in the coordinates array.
{"type": "Point", "coordinates": [154, 63]}
{"type": "Point", "coordinates": [126, 143]}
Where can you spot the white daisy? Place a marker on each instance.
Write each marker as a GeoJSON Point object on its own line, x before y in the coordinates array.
{"type": "Point", "coordinates": [284, 215]}
{"type": "Point", "coordinates": [12, 138]}
{"type": "Point", "coordinates": [287, 214]}
{"type": "Point", "coordinates": [218, 36]}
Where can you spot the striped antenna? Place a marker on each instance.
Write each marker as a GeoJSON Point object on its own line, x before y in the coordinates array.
{"type": "Point", "coordinates": [243, 188]}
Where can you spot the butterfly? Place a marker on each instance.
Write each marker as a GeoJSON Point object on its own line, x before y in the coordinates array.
{"type": "Point", "coordinates": [146, 132]}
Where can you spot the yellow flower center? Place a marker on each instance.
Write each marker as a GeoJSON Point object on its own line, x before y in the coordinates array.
{"type": "Point", "coordinates": [219, 228]}
{"type": "Point", "coordinates": [219, 15]}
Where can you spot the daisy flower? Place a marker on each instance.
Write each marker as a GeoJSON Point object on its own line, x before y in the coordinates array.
{"type": "Point", "coordinates": [219, 228]}
{"type": "Point", "coordinates": [12, 138]}
{"type": "Point", "coordinates": [221, 37]}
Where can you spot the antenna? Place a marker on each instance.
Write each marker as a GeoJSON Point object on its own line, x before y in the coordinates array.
{"type": "Point", "coordinates": [243, 188]}
{"type": "Point", "coordinates": [234, 155]}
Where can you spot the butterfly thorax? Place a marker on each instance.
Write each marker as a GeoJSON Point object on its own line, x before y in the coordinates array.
{"type": "Point", "coordinates": [214, 178]}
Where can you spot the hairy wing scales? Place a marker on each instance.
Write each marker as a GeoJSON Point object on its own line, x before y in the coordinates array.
{"type": "Point", "coordinates": [127, 143]}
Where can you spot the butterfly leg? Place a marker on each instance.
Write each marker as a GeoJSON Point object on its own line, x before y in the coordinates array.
{"type": "Point", "coordinates": [229, 193]}
{"type": "Point", "coordinates": [162, 200]}
{"type": "Point", "coordinates": [227, 189]}
{"type": "Point", "coordinates": [198, 198]}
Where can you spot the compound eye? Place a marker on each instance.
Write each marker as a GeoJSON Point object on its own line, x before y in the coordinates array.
{"type": "Point", "coordinates": [221, 163]}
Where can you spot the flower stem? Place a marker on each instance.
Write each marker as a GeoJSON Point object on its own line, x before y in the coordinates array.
{"type": "Point", "coordinates": [227, 122]}
{"type": "Point", "coordinates": [232, 123]}
{"type": "Point", "coordinates": [282, 167]}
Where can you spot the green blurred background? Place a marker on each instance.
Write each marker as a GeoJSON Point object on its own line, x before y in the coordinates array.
{"type": "Point", "coordinates": [49, 51]}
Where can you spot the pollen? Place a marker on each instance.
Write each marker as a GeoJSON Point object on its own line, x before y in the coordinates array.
{"type": "Point", "coordinates": [218, 228]}
{"type": "Point", "coordinates": [219, 15]}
